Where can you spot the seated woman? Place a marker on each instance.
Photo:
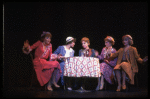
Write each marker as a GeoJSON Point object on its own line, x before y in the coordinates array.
{"type": "Point", "coordinates": [48, 72]}
{"type": "Point", "coordinates": [126, 62]}
{"type": "Point", "coordinates": [65, 51]}
{"type": "Point", "coordinates": [86, 51]}
{"type": "Point", "coordinates": [106, 67]}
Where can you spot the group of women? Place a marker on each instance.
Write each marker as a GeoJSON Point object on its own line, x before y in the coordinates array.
{"type": "Point", "coordinates": [49, 67]}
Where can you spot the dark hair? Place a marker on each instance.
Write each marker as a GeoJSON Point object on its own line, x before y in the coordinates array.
{"type": "Point", "coordinates": [46, 35]}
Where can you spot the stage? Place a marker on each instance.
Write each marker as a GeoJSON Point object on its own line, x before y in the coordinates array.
{"type": "Point", "coordinates": [26, 92]}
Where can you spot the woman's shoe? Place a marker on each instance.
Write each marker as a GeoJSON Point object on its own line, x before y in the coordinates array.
{"type": "Point", "coordinates": [101, 87]}
{"type": "Point", "coordinates": [124, 87]}
{"type": "Point", "coordinates": [118, 89]}
{"type": "Point", "coordinates": [69, 88]}
{"type": "Point", "coordinates": [97, 88]}
{"type": "Point", "coordinates": [57, 86]}
{"type": "Point", "coordinates": [49, 88]}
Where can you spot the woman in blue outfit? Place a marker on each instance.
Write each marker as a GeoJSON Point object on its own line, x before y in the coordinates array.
{"type": "Point", "coordinates": [65, 51]}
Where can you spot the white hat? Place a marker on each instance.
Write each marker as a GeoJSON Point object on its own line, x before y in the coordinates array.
{"type": "Point", "coordinates": [68, 39]}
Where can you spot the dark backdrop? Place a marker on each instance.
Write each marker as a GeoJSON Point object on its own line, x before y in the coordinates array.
{"type": "Point", "coordinates": [95, 20]}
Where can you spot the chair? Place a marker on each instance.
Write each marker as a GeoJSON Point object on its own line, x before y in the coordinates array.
{"type": "Point", "coordinates": [33, 71]}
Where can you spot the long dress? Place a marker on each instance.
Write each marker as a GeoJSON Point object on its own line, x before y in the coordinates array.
{"type": "Point", "coordinates": [44, 68]}
{"type": "Point", "coordinates": [62, 50]}
{"type": "Point", "coordinates": [107, 69]}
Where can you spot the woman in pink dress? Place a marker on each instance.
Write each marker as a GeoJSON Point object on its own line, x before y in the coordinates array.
{"type": "Point", "coordinates": [48, 72]}
{"type": "Point", "coordinates": [106, 67]}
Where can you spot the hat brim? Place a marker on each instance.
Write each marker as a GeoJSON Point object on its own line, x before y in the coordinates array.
{"type": "Point", "coordinates": [74, 40]}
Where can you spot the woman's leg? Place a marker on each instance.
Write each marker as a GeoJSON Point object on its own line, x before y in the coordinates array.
{"type": "Point", "coordinates": [98, 85]}
{"type": "Point", "coordinates": [102, 82]}
{"type": "Point", "coordinates": [54, 78]}
{"type": "Point", "coordinates": [123, 80]}
{"type": "Point", "coordinates": [62, 74]}
{"type": "Point", "coordinates": [49, 84]}
{"type": "Point", "coordinates": [118, 76]}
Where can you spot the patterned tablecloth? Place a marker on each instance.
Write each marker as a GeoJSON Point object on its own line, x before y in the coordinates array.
{"type": "Point", "coordinates": [82, 67]}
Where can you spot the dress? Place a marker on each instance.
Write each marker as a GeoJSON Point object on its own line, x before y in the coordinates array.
{"type": "Point", "coordinates": [62, 50]}
{"type": "Point", "coordinates": [44, 68]}
{"type": "Point", "coordinates": [132, 58]}
{"type": "Point", "coordinates": [107, 69]}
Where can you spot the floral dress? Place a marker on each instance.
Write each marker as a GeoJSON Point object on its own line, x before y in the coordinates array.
{"type": "Point", "coordinates": [105, 68]}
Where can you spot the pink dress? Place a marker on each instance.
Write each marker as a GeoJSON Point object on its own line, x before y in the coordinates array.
{"type": "Point", "coordinates": [44, 68]}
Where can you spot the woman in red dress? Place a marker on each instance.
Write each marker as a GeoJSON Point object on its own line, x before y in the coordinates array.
{"type": "Point", "coordinates": [48, 72]}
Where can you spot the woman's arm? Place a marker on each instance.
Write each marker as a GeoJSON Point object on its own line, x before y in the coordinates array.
{"type": "Point", "coordinates": [137, 56]}
{"type": "Point", "coordinates": [101, 56]}
{"type": "Point", "coordinates": [27, 48]}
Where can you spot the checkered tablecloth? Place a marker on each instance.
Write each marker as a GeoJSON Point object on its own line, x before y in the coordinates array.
{"type": "Point", "coordinates": [82, 66]}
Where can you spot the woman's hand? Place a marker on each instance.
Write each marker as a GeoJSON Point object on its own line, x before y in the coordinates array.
{"type": "Point", "coordinates": [117, 66]}
{"type": "Point", "coordinates": [26, 45]}
{"type": "Point", "coordinates": [105, 60]}
{"type": "Point", "coordinates": [145, 59]}
{"type": "Point", "coordinates": [96, 53]}
{"type": "Point", "coordinates": [54, 56]}
{"type": "Point", "coordinates": [59, 56]}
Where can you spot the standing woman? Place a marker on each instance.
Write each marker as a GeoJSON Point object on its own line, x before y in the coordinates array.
{"type": "Point", "coordinates": [106, 67]}
{"type": "Point", "coordinates": [47, 71]}
{"type": "Point", "coordinates": [127, 62]}
{"type": "Point", "coordinates": [86, 51]}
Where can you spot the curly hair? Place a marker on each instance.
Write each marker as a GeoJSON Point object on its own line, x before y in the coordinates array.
{"type": "Point", "coordinates": [47, 34]}
{"type": "Point", "coordinates": [86, 40]}
{"type": "Point", "coordinates": [129, 39]}
{"type": "Point", "coordinates": [110, 39]}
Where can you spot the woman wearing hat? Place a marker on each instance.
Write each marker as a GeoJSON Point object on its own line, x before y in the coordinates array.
{"type": "Point", "coordinates": [48, 72]}
{"type": "Point", "coordinates": [106, 67]}
{"type": "Point", "coordinates": [126, 63]}
{"type": "Point", "coordinates": [65, 51]}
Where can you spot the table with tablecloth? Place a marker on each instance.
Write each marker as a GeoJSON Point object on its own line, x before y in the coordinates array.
{"type": "Point", "coordinates": [82, 67]}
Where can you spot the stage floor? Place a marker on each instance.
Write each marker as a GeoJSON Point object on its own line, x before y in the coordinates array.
{"type": "Point", "coordinates": [25, 92]}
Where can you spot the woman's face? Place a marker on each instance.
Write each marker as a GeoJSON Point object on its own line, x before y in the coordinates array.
{"type": "Point", "coordinates": [72, 44]}
{"type": "Point", "coordinates": [85, 44]}
{"type": "Point", "coordinates": [47, 40]}
{"type": "Point", "coordinates": [107, 44]}
{"type": "Point", "coordinates": [125, 41]}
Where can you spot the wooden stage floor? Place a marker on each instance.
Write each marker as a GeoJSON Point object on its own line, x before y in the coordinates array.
{"type": "Point", "coordinates": [25, 92]}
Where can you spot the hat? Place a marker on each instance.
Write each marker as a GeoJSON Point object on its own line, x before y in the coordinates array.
{"type": "Point", "coordinates": [70, 39]}
{"type": "Point", "coordinates": [129, 36]}
{"type": "Point", "coordinates": [44, 33]}
{"type": "Point", "coordinates": [110, 38]}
